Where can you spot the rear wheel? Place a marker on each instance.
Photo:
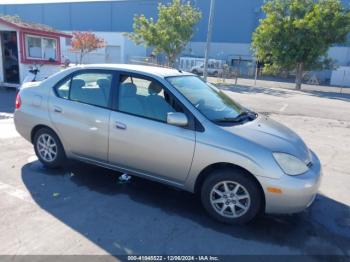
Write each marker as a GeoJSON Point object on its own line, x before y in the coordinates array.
{"type": "Point", "coordinates": [231, 196]}
{"type": "Point", "coordinates": [48, 148]}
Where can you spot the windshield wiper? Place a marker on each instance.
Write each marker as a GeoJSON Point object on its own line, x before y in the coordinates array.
{"type": "Point", "coordinates": [243, 116]}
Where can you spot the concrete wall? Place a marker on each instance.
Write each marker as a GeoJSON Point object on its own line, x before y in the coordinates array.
{"type": "Point", "coordinates": [127, 49]}
{"type": "Point", "coordinates": [341, 76]}
{"type": "Point", "coordinates": [98, 56]}
{"type": "Point", "coordinates": [340, 54]}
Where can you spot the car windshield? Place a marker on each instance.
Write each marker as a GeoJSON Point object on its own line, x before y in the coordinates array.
{"type": "Point", "coordinates": [210, 101]}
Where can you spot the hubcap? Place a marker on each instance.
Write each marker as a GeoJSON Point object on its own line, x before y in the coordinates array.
{"type": "Point", "coordinates": [230, 199]}
{"type": "Point", "coordinates": [47, 147]}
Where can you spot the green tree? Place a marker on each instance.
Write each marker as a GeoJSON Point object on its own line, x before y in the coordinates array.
{"type": "Point", "coordinates": [296, 34]}
{"type": "Point", "coordinates": [171, 32]}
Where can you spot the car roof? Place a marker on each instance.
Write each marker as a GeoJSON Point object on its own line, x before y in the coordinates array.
{"type": "Point", "coordinates": [146, 69]}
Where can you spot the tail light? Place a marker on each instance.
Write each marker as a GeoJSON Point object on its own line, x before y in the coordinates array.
{"type": "Point", "coordinates": [18, 101]}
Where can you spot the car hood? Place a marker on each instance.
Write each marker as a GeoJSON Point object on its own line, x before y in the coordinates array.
{"type": "Point", "coordinates": [273, 136]}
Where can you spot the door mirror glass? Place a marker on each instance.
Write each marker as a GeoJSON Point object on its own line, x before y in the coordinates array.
{"type": "Point", "coordinates": [177, 119]}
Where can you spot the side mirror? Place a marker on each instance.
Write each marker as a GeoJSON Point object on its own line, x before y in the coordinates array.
{"type": "Point", "coordinates": [177, 119]}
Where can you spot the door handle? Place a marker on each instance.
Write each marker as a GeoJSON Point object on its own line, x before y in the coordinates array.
{"type": "Point", "coordinates": [57, 109]}
{"type": "Point", "coordinates": [120, 125]}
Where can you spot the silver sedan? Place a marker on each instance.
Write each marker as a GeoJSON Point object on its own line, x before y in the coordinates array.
{"type": "Point", "coordinates": [171, 127]}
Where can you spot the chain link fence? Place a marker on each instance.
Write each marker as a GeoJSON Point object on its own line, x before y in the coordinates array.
{"type": "Point", "coordinates": [251, 69]}
{"type": "Point", "coordinates": [234, 67]}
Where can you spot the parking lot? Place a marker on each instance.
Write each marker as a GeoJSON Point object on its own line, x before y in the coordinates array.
{"type": "Point", "coordinates": [84, 210]}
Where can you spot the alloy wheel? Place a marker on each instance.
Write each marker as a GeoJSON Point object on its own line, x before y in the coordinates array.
{"type": "Point", "coordinates": [47, 147]}
{"type": "Point", "coordinates": [230, 199]}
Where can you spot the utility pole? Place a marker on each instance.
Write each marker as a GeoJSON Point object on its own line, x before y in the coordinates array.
{"type": "Point", "coordinates": [256, 72]}
{"type": "Point", "coordinates": [210, 30]}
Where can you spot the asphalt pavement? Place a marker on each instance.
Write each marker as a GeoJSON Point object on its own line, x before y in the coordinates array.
{"type": "Point", "coordinates": [83, 209]}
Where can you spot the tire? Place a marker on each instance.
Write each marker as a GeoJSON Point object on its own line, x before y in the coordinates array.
{"type": "Point", "coordinates": [216, 74]}
{"type": "Point", "coordinates": [195, 72]}
{"type": "Point", "coordinates": [55, 150]}
{"type": "Point", "coordinates": [237, 209]}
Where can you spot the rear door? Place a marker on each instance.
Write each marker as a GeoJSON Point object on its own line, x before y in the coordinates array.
{"type": "Point", "coordinates": [140, 139]}
{"type": "Point", "coordinates": [80, 112]}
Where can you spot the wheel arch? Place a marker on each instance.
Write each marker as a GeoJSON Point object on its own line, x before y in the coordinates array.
{"type": "Point", "coordinates": [37, 128]}
{"type": "Point", "coordinates": [224, 165]}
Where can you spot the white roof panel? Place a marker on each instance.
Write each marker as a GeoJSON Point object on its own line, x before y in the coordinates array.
{"type": "Point", "coordinates": [151, 70]}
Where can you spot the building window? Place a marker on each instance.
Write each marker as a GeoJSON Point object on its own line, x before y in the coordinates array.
{"type": "Point", "coordinates": [41, 48]}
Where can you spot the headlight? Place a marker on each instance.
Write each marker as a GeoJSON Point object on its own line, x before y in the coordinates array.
{"type": "Point", "coordinates": [290, 164]}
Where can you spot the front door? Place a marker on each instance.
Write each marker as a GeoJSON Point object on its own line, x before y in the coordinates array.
{"type": "Point", "coordinates": [141, 140]}
{"type": "Point", "coordinates": [80, 112]}
{"type": "Point", "coordinates": [10, 62]}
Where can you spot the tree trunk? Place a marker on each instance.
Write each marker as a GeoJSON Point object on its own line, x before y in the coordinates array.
{"type": "Point", "coordinates": [299, 76]}
{"type": "Point", "coordinates": [81, 57]}
{"type": "Point", "coordinates": [171, 60]}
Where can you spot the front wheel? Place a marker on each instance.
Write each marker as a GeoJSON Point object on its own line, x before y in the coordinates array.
{"type": "Point", "coordinates": [231, 196]}
{"type": "Point", "coordinates": [48, 148]}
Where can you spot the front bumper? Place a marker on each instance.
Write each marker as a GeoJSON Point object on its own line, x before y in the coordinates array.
{"type": "Point", "coordinates": [297, 192]}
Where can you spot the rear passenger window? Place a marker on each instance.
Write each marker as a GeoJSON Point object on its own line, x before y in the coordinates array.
{"type": "Point", "coordinates": [143, 97]}
{"type": "Point", "coordinates": [91, 88]}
